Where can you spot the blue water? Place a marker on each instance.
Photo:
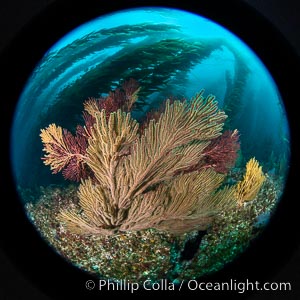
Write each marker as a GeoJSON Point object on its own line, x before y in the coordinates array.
{"type": "Point", "coordinates": [70, 70]}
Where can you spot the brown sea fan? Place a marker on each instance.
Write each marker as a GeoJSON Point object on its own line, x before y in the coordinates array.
{"type": "Point", "coordinates": [167, 176]}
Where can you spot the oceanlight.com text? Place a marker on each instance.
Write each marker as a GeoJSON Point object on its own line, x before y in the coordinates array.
{"type": "Point", "coordinates": [192, 285]}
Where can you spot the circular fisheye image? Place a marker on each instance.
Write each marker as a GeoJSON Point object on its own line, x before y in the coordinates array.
{"type": "Point", "coordinates": [150, 144]}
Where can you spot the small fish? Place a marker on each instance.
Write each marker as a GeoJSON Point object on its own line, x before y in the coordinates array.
{"type": "Point", "coordinates": [262, 220]}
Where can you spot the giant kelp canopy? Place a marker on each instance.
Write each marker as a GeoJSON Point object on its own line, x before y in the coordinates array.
{"type": "Point", "coordinates": [153, 54]}
{"type": "Point", "coordinates": [58, 61]}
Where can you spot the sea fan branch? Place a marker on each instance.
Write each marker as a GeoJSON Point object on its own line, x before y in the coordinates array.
{"type": "Point", "coordinates": [63, 150]}
{"type": "Point", "coordinates": [247, 189]}
{"type": "Point", "coordinates": [156, 156]}
{"type": "Point", "coordinates": [110, 141]}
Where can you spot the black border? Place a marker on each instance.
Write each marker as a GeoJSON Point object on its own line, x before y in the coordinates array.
{"type": "Point", "coordinates": [20, 241]}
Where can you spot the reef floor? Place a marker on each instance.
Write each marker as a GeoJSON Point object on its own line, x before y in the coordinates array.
{"type": "Point", "coordinates": [150, 254]}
